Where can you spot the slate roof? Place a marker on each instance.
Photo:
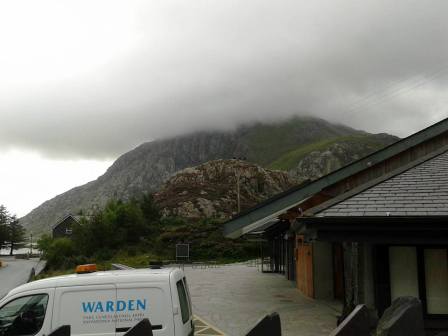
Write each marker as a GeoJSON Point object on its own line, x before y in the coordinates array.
{"type": "Point", "coordinates": [419, 191]}
{"type": "Point", "coordinates": [76, 218]}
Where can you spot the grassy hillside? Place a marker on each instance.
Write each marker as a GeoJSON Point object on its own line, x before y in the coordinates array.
{"type": "Point", "coordinates": [354, 146]}
{"type": "Point", "coordinates": [268, 143]}
{"type": "Point", "coordinates": [290, 159]}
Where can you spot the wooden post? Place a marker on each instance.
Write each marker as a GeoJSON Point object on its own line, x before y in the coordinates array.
{"type": "Point", "coordinates": [238, 204]}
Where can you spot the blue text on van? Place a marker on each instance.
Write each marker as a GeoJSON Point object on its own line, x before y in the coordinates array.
{"type": "Point", "coordinates": [113, 306]}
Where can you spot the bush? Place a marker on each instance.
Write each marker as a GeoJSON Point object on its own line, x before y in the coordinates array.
{"type": "Point", "coordinates": [59, 253]}
{"type": "Point", "coordinates": [44, 243]}
{"type": "Point", "coordinates": [103, 255]}
{"type": "Point", "coordinates": [205, 238]}
{"type": "Point", "coordinates": [132, 251]}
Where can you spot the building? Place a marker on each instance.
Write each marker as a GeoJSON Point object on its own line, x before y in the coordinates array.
{"type": "Point", "coordinates": [371, 231]}
{"type": "Point", "coordinates": [63, 228]}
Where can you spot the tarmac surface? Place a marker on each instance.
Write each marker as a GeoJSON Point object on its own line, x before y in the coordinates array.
{"type": "Point", "coordinates": [16, 272]}
{"type": "Point", "coordinates": [233, 298]}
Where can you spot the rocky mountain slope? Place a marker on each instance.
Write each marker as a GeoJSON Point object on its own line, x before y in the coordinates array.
{"type": "Point", "coordinates": [282, 145]}
{"type": "Point", "coordinates": [322, 158]}
{"type": "Point", "coordinates": [210, 190]}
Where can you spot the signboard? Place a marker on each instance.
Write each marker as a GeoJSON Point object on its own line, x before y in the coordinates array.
{"type": "Point", "coordinates": [182, 251]}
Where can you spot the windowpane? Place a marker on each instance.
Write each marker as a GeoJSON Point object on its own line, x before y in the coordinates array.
{"type": "Point", "coordinates": [188, 292]}
{"type": "Point", "coordinates": [436, 275]}
{"type": "Point", "coordinates": [23, 316]}
{"type": "Point", "coordinates": [183, 301]}
{"type": "Point", "coordinates": [403, 271]}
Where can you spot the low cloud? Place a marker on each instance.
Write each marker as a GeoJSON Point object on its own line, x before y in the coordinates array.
{"type": "Point", "coordinates": [96, 83]}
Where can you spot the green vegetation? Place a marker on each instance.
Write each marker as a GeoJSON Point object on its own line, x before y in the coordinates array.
{"type": "Point", "coordinates": [206, 240]}
{"type": "Point", "coordinates": [134, 233]}
{"type": "Point", "coordinates": [12, 234]}
{"type": "Point", "coordinates": [269, 142]}
{"type": "Point", "coordinates": [290, 159]}
{"type": "Point", "coordinates": [4, 218]}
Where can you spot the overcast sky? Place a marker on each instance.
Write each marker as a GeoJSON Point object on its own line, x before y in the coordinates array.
{"type": "Point", "coordinates": [84, 81]}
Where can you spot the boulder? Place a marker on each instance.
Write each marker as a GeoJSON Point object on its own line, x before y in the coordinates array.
{"type": "Point", "coordinates": [403, 318]}
{"type": "Point", "coordinates": [268, 326]}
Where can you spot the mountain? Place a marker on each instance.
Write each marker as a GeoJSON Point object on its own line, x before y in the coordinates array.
{"type": "Point", "coordinates": [318, 159]}
{"type": "Point", "coordinates": [281, 145]}
{"type": "Point", "coordinates": [210, 190]}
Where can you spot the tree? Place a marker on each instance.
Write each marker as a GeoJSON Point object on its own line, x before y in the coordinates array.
{"type": "Point", "coordinates": [4, 220]}
{"type": "Point", "coordinates": [3, 235]}
{"type": "Point", "coordinates": [150, 210]}
{"type": "Point", "coordinates": [59, 253]}
{"type": "Point", "coordinates": [11, 232]}
{"type": "Point", "coordinates": [15, 234]}
{"type": "Point", "coordinates": [151, 216]}
{"type": "Point", "coordinates": [44, 242]}
{"type": "Point", "coordinates": [126, 220]}
{"type": "Point", "coordinates": [4, 214]}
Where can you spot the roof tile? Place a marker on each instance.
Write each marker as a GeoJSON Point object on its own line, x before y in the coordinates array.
{"type": "Point", "coordinates": [420, 191]}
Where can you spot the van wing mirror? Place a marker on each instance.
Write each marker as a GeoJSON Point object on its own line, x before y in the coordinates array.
{"type": "Point", "coordinates": [61, 331]}
{"type": "Point", "coordinates": [267, 326]}
{"type": "Point", "coordinates": [143, 328]}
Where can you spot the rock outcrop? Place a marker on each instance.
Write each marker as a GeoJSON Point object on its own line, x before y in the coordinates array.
{"type": "Point", "coordinates": [322, 161]}
{"type": "Point", "coordinates": [210, 190]}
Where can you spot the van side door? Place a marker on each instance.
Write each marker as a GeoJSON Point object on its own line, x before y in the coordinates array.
{"type": "Point", "coordinates": [89, 310]}
{"type": "Point", "coordinates": [28, 313]}
{"type": "Point", "coordinates": [141, 300]}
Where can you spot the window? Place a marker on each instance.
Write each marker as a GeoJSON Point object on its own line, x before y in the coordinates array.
{"type": "Point", "coordinates": [23, 316]}
{"type": "Point", "coordinates": [421, 272]}
{"type": "Point", "coordinates": [68, 231]}
{"type": "Point", "coordinates": [188, 292]}
{"type": "Point", "coordinates": [183, 300]}
{"type": "Point", "coordinates": [403, 271]}
{"type": "Point", "coordinates": [436, 278]}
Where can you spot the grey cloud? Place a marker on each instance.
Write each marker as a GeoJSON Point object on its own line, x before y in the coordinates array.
{"type": "Point", "coordinates": [375, 65]}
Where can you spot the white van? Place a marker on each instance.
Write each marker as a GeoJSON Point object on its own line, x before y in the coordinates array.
{"type": "Point", "coordinates": [100, 304]}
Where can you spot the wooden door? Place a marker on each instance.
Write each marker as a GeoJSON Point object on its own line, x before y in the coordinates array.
{"type": "Point", "coordinates": [304, 267]}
